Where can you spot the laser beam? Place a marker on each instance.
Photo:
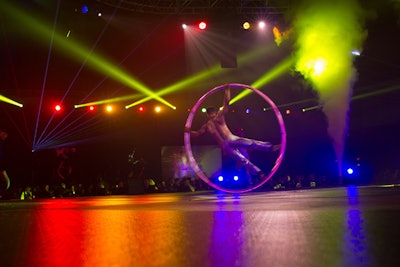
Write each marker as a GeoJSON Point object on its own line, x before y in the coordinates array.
{"type": "Point", "coordinates": [272, 74]}
{"type": "Point", "coordinates": [207, 73]}
{"type": "Point", "coordinates": [10, 101]}
{"type": "Point", "coordinates": [78, 51]}
{"type": "Point", "coordinates": [110, 100]}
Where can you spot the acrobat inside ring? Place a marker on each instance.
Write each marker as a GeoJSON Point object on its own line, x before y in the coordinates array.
{"type": "Point", "coordinates": [188, 147]}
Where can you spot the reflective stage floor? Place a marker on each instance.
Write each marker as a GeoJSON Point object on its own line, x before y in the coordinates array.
{"type": "Point", "coordinates": [348, 226]}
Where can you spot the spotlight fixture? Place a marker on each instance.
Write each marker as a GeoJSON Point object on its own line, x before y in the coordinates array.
{"type": "Point", "coordinates": [246, 25]}
{"type": "Point", "coordinates": [261, 25]}
{"type": "Point", "coordinates": [57, 107]}
{"type": "Point", "coordinates": [85, 9]}
{"type": "Point", "coordinates": [109, 108]}
{"type": "Point", "coordinates": [350, 170]}
{"type": "Point", "coordinates": [202, 25]}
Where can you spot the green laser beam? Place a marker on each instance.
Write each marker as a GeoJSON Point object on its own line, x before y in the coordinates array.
{"type": "Point", "coordinates": [292, 103]}
{"type": "Point", "coordinates": [78, 51]}
{"type": "Point", "coordinates": [110, 100]}
{"type": "Point", "coordinates": [183, 84]}
{"type": "Point", "coordinates": [272, 74]}
{"type": "Point", "coordinates": [361, 96]}
{"type": "Point", "coordinates": [10, 101]}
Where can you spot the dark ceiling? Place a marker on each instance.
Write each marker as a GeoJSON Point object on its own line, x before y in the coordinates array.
{"type": "Point", "coordinates": [239, 7]}
{"type": "Point", "coordinates": [47, 51]}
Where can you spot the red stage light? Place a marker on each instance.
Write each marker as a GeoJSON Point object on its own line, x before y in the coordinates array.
{"type": "Point", "coordinates": [57, 108]}
{"type": "Point", "coordinates": [202, 25]}
{"type": "Point", "coordinates": [141, 108]}
{"type": "Point", "coordinates": [91, 108]}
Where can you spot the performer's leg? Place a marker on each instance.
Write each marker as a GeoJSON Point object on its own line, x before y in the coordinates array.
{"type": "Point", "coordinates": [235, 153]}
{"type": "Point", "coordinates": [237, 141]}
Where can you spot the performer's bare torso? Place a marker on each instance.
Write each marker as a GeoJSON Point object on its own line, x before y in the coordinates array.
{"type": "Point", "coordinates": [217, 127]}
{"type": "Point", "coordinates": [231, 144]}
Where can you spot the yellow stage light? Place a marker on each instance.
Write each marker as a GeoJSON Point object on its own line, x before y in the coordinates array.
{"type": "Point", "coordinates": [10, 101]}
{"type": "Point", "coordinates": [109, 108]}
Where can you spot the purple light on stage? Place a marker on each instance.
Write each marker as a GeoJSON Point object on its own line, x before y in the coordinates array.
{"type": "Point", "coordinates": [85, 9]}
{"type": "Point", "coordinates": [350, 171]}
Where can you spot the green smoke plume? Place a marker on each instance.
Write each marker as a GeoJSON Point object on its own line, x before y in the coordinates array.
{"type": "Point", "coordinates": [326, 33]}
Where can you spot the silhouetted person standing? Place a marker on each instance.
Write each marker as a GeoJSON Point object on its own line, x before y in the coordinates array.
{"type": "Point", "coordinates": [4, 179]}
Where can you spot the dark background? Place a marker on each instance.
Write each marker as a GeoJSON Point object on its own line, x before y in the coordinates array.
{"type": "Point", "coordinates": [151, 48]}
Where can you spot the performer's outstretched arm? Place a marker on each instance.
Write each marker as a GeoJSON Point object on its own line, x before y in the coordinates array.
{"type": "Point", "coordinates": [201, 131]}
{"type": "Point", "coordinates": [227, 98]}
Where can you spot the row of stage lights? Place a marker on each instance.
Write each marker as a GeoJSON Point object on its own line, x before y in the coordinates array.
{"type": "Point", "coordinates": [107, 108]}
{"type": "Point", "coordinates": [157, 109]}
{"type": "Point", "coordinates": [352, 168]}
{"type": "Point", "coordinates": [203, 25]}
{"type": "Point", "coordinates": [221, 178]}
{"type": "Point", "coordinates": [110, 108]}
